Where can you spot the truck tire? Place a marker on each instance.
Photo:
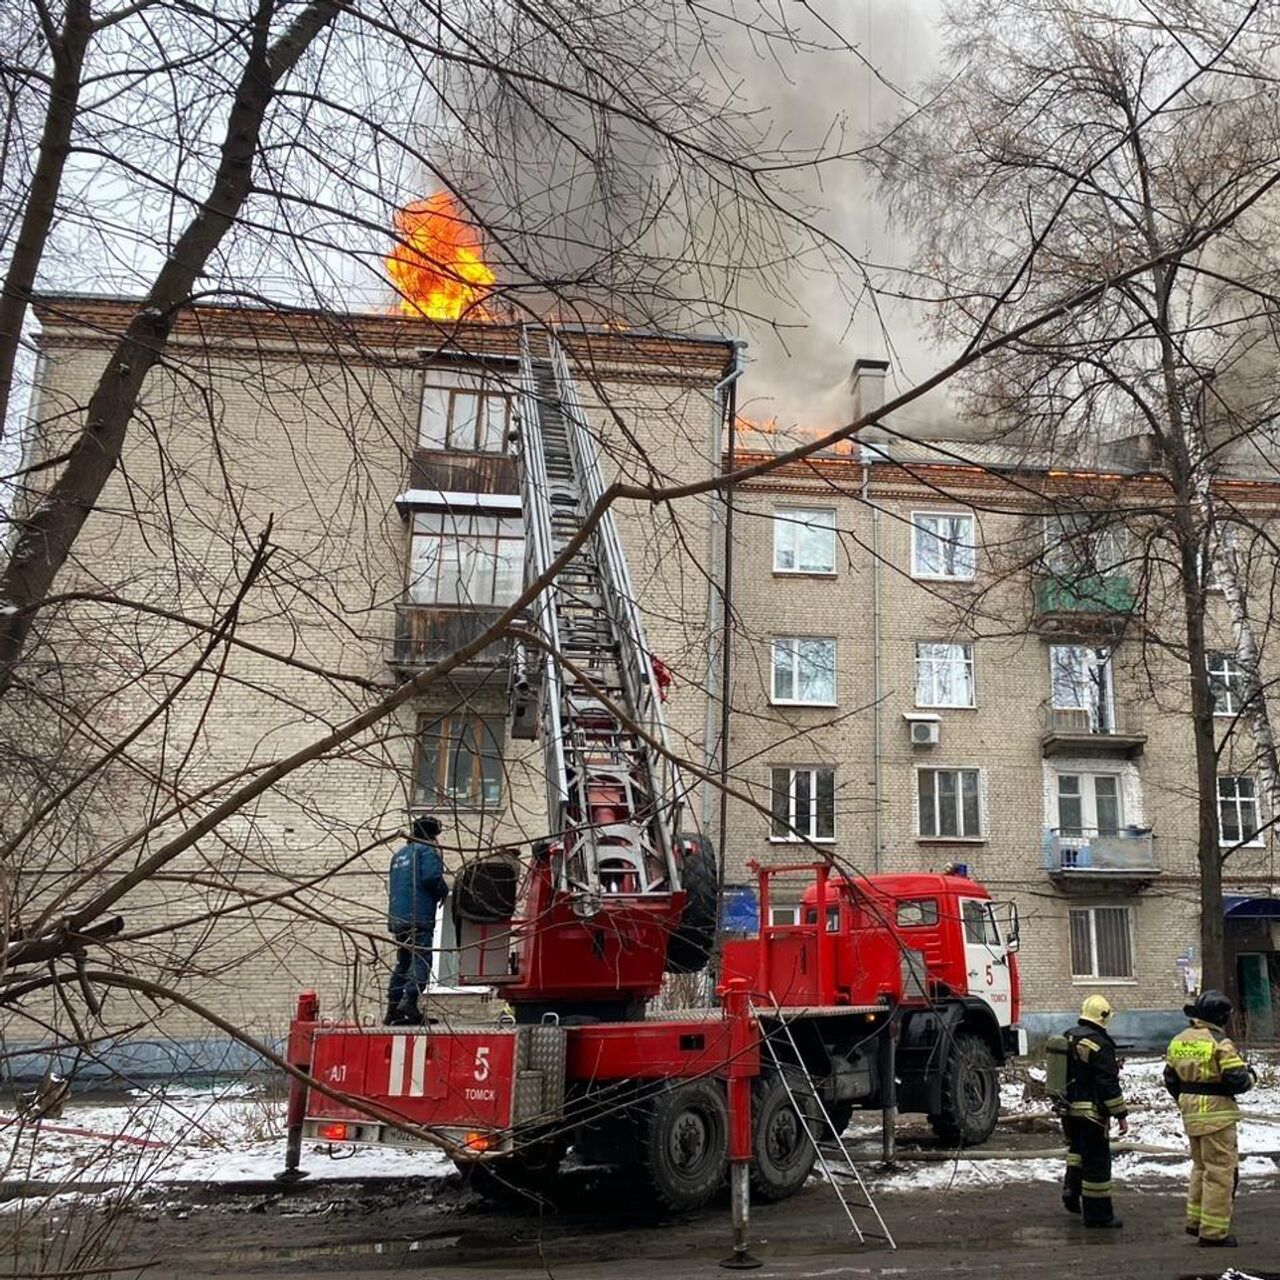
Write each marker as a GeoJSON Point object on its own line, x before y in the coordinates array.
{"type": "Point", "coordinates": [782, 1150]}
{"type": "Point", "coordinates": [689, 947]}
{"type": "Point", "coordinates": [970, 1094]}
{"type": "Point", "coordinates": [684, 1144]}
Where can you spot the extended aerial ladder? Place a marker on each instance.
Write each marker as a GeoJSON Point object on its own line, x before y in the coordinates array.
{"type": "Point", "coordinates": [606, 908]}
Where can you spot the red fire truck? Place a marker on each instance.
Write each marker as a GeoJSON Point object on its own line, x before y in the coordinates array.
{"type": "Point", "coordinates": [882, 991]}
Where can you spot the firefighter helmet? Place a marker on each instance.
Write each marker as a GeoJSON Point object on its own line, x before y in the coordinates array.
{"type": "Point", "coordinates": [1097, 1009]}
{"type": "Point", "coordinates": [1211, 1007]}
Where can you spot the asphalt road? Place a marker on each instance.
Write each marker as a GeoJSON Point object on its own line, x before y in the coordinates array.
{"type": "Point", "coordinates": [330, 1228]}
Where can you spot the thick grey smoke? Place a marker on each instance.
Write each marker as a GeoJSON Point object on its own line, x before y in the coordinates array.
{"type": "Point", "coordinates": [653, 220]}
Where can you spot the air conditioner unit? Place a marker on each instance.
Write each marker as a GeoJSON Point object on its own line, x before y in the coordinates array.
{"type": "Point", "coordinates": [925, 733]}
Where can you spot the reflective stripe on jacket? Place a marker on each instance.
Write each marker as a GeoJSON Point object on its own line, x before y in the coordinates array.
{"type": "Point", "coordinates": [1093, 1074]}
{"type": "Point", "coordinates": [1204, 1072]}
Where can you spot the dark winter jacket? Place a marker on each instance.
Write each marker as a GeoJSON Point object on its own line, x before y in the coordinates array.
{"type": "Point", "coordinates": [1093, 1074]}
{"type": "Point", "coordinates": [415, 887]}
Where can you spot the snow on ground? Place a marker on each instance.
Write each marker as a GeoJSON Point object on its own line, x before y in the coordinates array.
{"type": "Point", "coordinates": [230, 1133]}
{"type": "Point", "coordinates": [226, 1133]}
{"type": "Point", "coordinates": [1154, 1122]}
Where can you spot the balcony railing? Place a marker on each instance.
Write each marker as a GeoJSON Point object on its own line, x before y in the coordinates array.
{"type": "Point", "coordinates": [1093, 731]}
{"type": "Point", "coordinates": [1077, 600]}
{"type": "Point", "coordinates": [1129, 852]}
{"type": "Point", "coordinates": [426, 633]}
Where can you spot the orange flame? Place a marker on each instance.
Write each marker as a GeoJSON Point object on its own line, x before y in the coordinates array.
{"type": "Point", "coordinates": [779, 439]}
{"type": "Point", "coordinates": [437, 268]}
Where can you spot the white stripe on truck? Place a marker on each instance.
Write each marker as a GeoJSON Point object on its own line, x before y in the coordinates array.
{"type": "Point", "coordinates": [395, 1086]}
{"type": "Point", "coordinates": [417, 1079]}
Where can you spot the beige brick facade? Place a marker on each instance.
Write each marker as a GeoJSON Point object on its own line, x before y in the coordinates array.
{"type": "Point", "coordinates": [314, 427]}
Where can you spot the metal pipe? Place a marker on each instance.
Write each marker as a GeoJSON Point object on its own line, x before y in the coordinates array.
{"type": "Point", "coordinates": [876, 820]}
{"type": "Point", "coordinates": [889, 1090]}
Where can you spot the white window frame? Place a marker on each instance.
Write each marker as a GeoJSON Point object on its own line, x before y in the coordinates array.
{"type": "Point", "coordinates": [1258, 840]}
{"type": "Point", "coordinates": [1226, 669]}
{"type": "Point", "coordinates": [489, 387]}
{"type": "Point", "coordinates": [1088, 797]}
{"type": "Point", "coordinates": [790, 520]}
{"type": "Point", "coordinates": [1093, 978]}
{"type": "Point", "coordinates": [796, 641]}
{"type": "Point", "coordinates": [777, 909]}
{"type": "Point", "coordinates": [980, 835]}
{"type": "Point", "coordinates": [796, 834]}
{"type": "Point", "coordinates": [972, 545]}
{"type": "Point", "coordinates": [965, 660]}
{"type": "Point", "coordinates": [1105, 548]}
{"type": "Point", "coordinates": [1099, 681]}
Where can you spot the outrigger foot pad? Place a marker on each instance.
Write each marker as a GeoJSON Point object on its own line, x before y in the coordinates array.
{"type": "Point", "coordinates": [291, 1175]}
{"type": "Point", "coordinates": [741, 1260]}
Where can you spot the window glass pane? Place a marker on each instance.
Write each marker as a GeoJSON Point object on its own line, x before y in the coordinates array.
{"type": "Point", "coordinates": [803, 802]}
{"type": "Point", "coordinates": [492, 426]}
{"type": "Point", "coordinates": [816, 542]}
{"type": "Point", "coordinates": [784, 684]}
{"type": "Point", "coordinates": [427, 790]}
{"type": "Point", "coordinates": [424, 566]}
{"type": "Point", "coordinates": [491, 760]}
{"type": "Point", "coordinates": [928, 816]}
{"type": "Point", "coordinates": [948, 810]}
{"type": "Point", "coordinates": [784, 543]}
{"type": "Point", "coordinates": [917, 913]}
{"type": "Point", "coordinates": [780, 800]}
{"type": "Point", "coordinates": [1081, 949]}
{"type": "Point", "coordinates": [466, 413]}
{"type": "Point", "coordinates": [969, 790]}
{"type": "Point", "coordinates": [974, 924]}
{"type": "Point", "coordinates": [927, 553]}
{"type": "Point", "coordinates": [453, 567]}
{"type": "Point", "coordinates": [459, 785]}
{"type": "Point", "coordinates": [784, 913]}
{"type": "Point", "coordinates": [433, 423]}
{"type": "Point", "coordinates": [1106, 794]}
{"type": "Point", "coordinates": [826, 804]}
{"type": "Point", "coordinates": [1067, 677]}
{"type": "Point", "coordinates": [1112, 926]}
{"type": "Point", "coordinates": [817, 670]}
{"type": "Point", "coordinates": [1070, 805]}
{"type": "Point", "coordinates": [508, 573]}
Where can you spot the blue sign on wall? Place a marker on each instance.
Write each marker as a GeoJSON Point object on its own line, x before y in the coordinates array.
{"type": "Point", "coordinates": [741, 910]}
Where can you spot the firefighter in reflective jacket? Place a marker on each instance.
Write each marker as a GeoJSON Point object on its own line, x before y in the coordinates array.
{"type": "Point", "coordinates": [1093, 1100]}
{"type": "Point", "coordinates": [1205, 1074]}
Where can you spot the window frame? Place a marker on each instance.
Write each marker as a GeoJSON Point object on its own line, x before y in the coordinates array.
{"type": "Point", "coordinates": [484, 384]}
{"type": "Point", "coordinates": [981, 835]}
{"type": "Point", "coordinates": [491, 727]}
{"type": "Point", "coordinates": [794, 835]}
{"type": "Point", "coordinates": [453, 518]}
{"type": "Point", "coordinates": [916, 530]}
{"type": "Point", "coordinates": [786, 518]}
{"type": "Point", "coordinates": [796, 641]}
{"type": "Point", "coordinates": [1102, 712]}
{"type": "Point", "coordinates": [1095, 539]}
{"type": "Point", "coordinates": [1093, 978]}
{"type": "Point", "coordinates": [1258, 840]}
{"type": "Point", "coordinates": [966, 646]}
{"type": "Point", "coordinates": [793, 908]}
{"type": "Point", "coordinates": [1231, 675]}
{"type": "Point", "coordinates": [930, 913]}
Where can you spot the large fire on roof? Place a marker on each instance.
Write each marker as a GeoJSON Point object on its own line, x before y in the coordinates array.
{"type": "Point", "coordinates": [437, 265]}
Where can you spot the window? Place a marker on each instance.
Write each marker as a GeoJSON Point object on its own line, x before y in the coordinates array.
{"type": "Point", "coordinates": [942, 545]}
{"type": "Point", "coordinates": [1077, 545]}
{"type": "Point", "coordinates": [470, 411]}
{"type": "Point", "coordinates": [949, 806]}
{"type": "Point", "coordinates": [1088, 804]}
{"type": "Point", "coordinates": [804, 540]}
{"type": "Point", "coordinates": [979, 923]}
{"type": "Point", "coordinates": [460, 762]}
{"type": "Point", "coordinates": [1101, 943]}
{"type": "Point", "coordinates": [1080, 685]}
{"type": "Point", "coordinates": [804, 671]}
{"type": "Point", "coordinates": [917, 913]}
{"type": "Point", "coordinates": [1226, 681]}
{"type": "Point", "coordinates": [784, 913]}
{"type": "Point", "coordinates": [1238, 810]}
{"type": "Point", "coordinates": [461, 557]}
{"type": "Point", "coordinates": [804, 804]}
{"type": "Point", "coordinates": [944, 675]}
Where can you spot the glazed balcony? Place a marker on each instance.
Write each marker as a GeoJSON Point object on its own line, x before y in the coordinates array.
{"type": "Point", "coordinates": [1086, 605]}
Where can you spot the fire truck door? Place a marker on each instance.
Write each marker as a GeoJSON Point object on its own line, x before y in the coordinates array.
{"type": "Point", "coordinates": [986, 959]}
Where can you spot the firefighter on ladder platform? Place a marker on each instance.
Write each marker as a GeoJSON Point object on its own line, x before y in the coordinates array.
{"type": "Point", "coordinates": [1093, 1100]}
{"type": "Point", "coordinates": [1205, 1073]}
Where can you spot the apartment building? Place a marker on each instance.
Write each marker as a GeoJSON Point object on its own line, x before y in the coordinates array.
{"type": "Point", "coordinates": [908, 690]}
{"type": "Point", "coordinates": [947, 660]}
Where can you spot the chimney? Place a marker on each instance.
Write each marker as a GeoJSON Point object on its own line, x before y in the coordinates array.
{"type": "Point", "coordinates": [867, 384]}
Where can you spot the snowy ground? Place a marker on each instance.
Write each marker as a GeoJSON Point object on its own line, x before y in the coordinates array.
{"type": "Point", "coordinates": [227, 1134]}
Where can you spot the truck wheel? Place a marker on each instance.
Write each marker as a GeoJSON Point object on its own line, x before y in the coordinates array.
{"type": "Point", "coordinates": [685, 1143]}
{"type": "Point", "coordinates": [689, 947]}
{"type": "Point", "coordinates": [782, 1150]}
{"type": "Point", "coordinates": [970, 1094]}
